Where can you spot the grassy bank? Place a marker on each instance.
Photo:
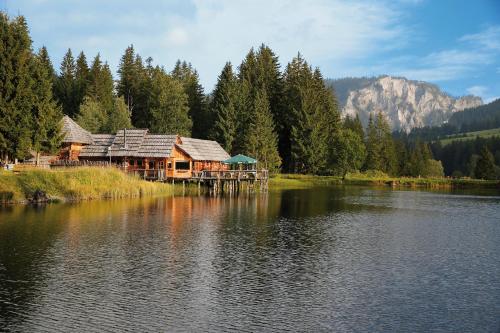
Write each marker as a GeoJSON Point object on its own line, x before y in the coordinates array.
{"type": "Point", "coordinates": [75, 184]}
{"type": "Point", "coordinates": [301, 181]}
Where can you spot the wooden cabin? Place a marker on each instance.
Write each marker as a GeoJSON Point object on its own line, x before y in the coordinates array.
{"type": "Point", "coordinates": [75, 138]}
{"type": "Point", "coordinates": [151, 156]}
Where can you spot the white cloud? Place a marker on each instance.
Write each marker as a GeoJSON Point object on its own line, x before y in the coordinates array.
{"type": "Point", "coordinates": [477, 90]}
{"type": "Point", "coordinates": [489, 38]}
{"type": "Point", "coordinates": [472, 52]}
{"type": "Point", "coordinates": [323, 31]}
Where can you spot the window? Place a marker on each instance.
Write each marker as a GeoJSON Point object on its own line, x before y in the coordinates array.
{"type": "Point", "coordinates": [151, 165]}
{"type": "Point", "coordinates": [169, 165]}
{"type": "Point", "coordinates": [182, 165]}
{"type": "Point", "coordinates": [139, 163]}
{"type": "Point", "coordinates": [161, 165]}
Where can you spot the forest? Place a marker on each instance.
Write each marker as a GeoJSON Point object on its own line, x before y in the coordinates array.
{"type": "Point", "coordinates": [287, 118]}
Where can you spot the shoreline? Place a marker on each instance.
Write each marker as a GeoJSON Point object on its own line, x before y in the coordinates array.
{"type": "Point", "coordinates": [87, 183]}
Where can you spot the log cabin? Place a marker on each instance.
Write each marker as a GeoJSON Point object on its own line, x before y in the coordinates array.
{"type": "Point", "coordinates": [152, 156]}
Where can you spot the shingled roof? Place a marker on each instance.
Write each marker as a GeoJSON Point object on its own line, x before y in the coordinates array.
{"type": "Point", "coordinates": [100, 146]}
{"type": "Point", "coordinates": [73, 133]}
{"type": "Point", "coordinates": [203, 150]}
{"type": "Point", "coordinates": [127, 142]}
{"type": "Point", "coordinates": [156, 145]}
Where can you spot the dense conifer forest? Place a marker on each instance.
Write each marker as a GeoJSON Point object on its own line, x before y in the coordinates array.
{"type": "Point", "coordinates": [286, 117]}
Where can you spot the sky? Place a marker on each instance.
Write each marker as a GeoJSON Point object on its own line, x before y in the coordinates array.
{"type": "Point", "coordinates": [452, 43]}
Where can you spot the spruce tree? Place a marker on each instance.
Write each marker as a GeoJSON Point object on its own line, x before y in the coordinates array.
{"type": "Point", "coordinates": [45, 113]}
{"type": "Point", "coordinates": [223, 109]}
{"type": "Point", "coordinates": [16, 88]}
{"type": "Point", "coordinates": [388, 151]}
{"type": "Point", "coordinates": [314, 118]}
{"type": "Point", "coordinates": [373, 149]}
{"type": "Point", "coordinates": [261, 140]}
{"type": "Point", "coordinates": [350, 152]}
{"type": "Point", "coordinates": [198, 109]}
{"type": "Point", "coordinates": [101, 84]}
{"type": "Point", "coordinates": [169, 105]}
{"type": "Point", "coordinates": [92, 115]}
{"type": "Point", "coordinates": [485, 165]}
{"type": "Point", "coordinates": [119, 117]}
{"type": "Point", "coordinates": [66, 85]}
{"type": "Point", "coordinates": [82, 78]}
{"type": "Point", "coordinates": [43, 56]}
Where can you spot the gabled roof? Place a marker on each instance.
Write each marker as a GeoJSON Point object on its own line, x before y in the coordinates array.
{"type": "Point", "coordinates": [157, 145]}
{"type": "Point", "coordinates": [240, 159]}
{"type": "Point", "coordinates": [100, 146]}
{"type": "Point", "coordinates": [127, 142]}
{"type": "Point", "coordinates": [203, 150]}
{"type": "Point", "coordinates": [74, 133]}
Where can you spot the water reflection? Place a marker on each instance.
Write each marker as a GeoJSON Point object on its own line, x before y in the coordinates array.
{"type": "Point", "coordinates": [343, 259]}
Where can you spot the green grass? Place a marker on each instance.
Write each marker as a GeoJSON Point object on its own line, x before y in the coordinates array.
{"type": "Point", "coordinates": [76, 184]}
{"type": "Point", "coordinates": [284, 181]}
{"type": "Point", "coordinates": [471, 136]}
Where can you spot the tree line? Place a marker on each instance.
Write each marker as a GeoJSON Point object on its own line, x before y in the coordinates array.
{"type": "Point", "coordinates": [288, 119]}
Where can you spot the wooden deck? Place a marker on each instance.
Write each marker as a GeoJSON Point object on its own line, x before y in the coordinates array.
{"type": "Point", "coordinates": [203, 176]}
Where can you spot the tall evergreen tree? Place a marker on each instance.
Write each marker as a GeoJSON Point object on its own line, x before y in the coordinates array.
{"type": "Point", "coordinates": [373, 149]}
{"type": "Point", "coordinates": [66, 86]}
{"type": "Point", "coordinates": [485, 165]}
{"type": "Point", "coordinates": [16, 88]}
{"type": "Point", "coordinates": [92, 115]}
{"type": "Point", "coordinates": [261, 140]}
{"type": "Point", "coordinates": [169, 105]}
{"type": "Point", "coordinates": [82, 78]}
{"type": "Point", "coordinates": [43, 56]}
{"type": "Point", "coordinates": [119, 117]}
{"type": "Point", "coordinates": [388, 151]}
{"type": "Point", "coordinates": [314, 118]}
{"type": "Point", "coordinates": [134, 85]}
{"type": "Point", "coordinates": [45, 113]}
{"type": "Point", "coordinates": [198, 109]}
{"type": "Point", "coordinates": [101, 84]}
{"type": "Point", "coordinates": [350, 152]}
{"type": "Point", "coordinates": [355, 125]}
{"type": "Point", "coordinates": [223, 109]}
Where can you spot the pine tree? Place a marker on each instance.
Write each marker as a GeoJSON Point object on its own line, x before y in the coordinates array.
{"type": "Point", "coordinates": [45, 113]}
{"type": "Point", "coordinates": [485, 165]}
{"type": "Point", "coordinates": [355, 125]}
{"type": "Point", "coordinates": [350, 152]}
{"type": "Point", "coordinates": [198, 109]}
{"type": "Point", "coordinates": [16, 88]}
{"type": "Point", "coordinates": [119, 117]}
{"type": "Point", "coordinates": [82, 78]}
{"type": "Point", "coordinates": [43, 56]}
{"type": "Point", "coordinates": [223, 109]}
{"type": "Point", "coordinates": [101, 84]}
{"type": "Point", "coordinates": [169, 105]}
{"type": "Point", "coordinates": [92, 115]}
{"type": "Point", "coordinates": [261, 140]}
{"type": "Point", "coordinates": [314, 118]}
{"type": "Point", "coordinates": [134, 86]}
{"type": "Point", "coordinates": [66, 85]}
{"type": "Point", "coordinates": [373, 158]}
{"type": "Point", "coordinates": [388, 151]}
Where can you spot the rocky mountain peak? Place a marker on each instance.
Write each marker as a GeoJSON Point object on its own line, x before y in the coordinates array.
{"type": "Point", "coordinates": [406, 103]}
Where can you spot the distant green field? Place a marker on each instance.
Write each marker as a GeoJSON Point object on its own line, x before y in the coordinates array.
{"type": "Point", "coordinates": [471, 136]}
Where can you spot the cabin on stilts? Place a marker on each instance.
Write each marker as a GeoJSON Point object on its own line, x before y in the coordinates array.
{"type": "Point", "coordinates": [159, 157]}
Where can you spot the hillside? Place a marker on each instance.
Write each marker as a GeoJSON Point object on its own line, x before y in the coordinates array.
{"type": "Point", "coordinates": [408, 104]}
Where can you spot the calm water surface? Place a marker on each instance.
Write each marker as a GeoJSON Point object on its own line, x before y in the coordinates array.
{"type": "Point", "coordinates": [337, 259]}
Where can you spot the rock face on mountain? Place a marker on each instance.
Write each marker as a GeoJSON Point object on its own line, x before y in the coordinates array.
{"type": "Point", "coordinates": [406, 103]}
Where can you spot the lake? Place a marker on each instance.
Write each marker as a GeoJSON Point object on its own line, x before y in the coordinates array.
{"type": "Point", "coordinates": [344, 259]}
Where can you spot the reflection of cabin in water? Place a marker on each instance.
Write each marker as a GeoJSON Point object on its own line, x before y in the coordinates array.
{"type": "Point", "coordinates": [151, 156]}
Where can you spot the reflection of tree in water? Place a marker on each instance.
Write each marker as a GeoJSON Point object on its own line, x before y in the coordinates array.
{"type": "Point", "coordinates": [26, 236]}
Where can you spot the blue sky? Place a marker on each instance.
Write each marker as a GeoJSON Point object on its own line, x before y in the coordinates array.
{"type": "Point", "coordinates": [453, 43]}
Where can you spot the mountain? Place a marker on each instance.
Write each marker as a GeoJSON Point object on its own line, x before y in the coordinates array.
{"type": "Point", "coordinates": [406, 103]}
